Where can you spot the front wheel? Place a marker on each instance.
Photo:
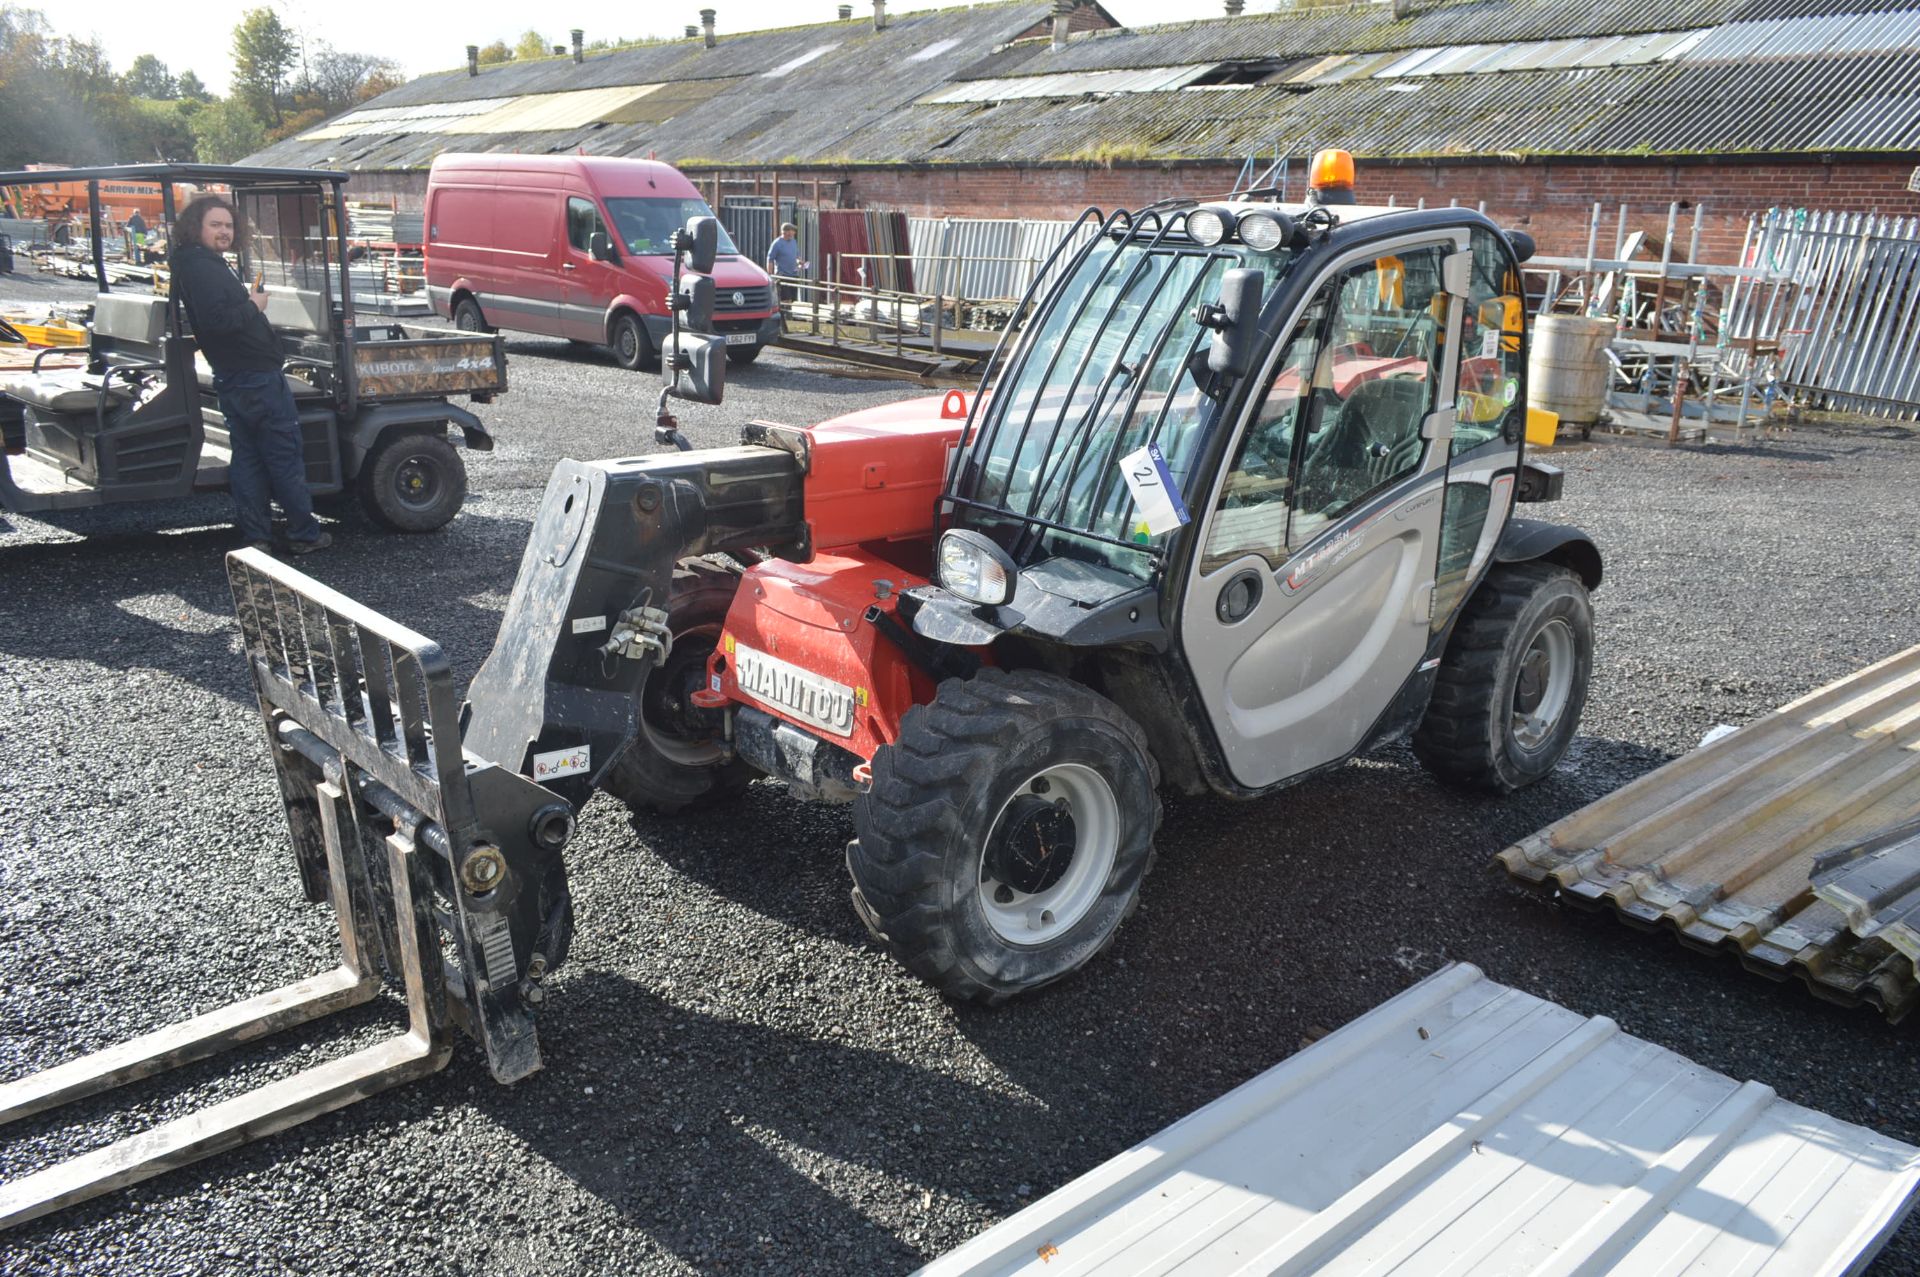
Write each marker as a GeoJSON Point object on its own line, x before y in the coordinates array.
{"type": "Point", "coordinates": [1507, 700]}
{"type": "Point", "coordinates": [679, 759]}
{"type": "Point", "coordinates": [631, 349]}
{"type": "Point", "coordinates": [413, 482]}
{"type": "Point", "coordinates": [1006, 833]}
{"type": "Point", "coordinates": [741, 356]}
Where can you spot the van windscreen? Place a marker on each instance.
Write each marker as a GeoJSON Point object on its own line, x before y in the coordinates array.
{"type": "Point", "coordinates": [646, 226]}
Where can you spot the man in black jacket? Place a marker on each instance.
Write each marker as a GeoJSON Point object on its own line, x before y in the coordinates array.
{"type": "Point", "coordinates": [230, 323]}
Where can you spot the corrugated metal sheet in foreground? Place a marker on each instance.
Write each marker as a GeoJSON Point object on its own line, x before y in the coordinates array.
{"type": "Point", "coordinates": [1464, 1127]}
{"type": "Point", "coordinates": [1718, 846]}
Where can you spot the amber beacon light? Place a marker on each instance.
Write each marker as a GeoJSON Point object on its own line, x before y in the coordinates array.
{"type": "Point", "coordinates": [1331, 177]}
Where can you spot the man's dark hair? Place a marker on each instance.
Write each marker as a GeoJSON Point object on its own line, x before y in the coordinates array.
{"type": "Point", "coordinates": [186, 227]}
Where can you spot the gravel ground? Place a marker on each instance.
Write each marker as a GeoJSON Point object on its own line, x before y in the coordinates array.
{"type": "Point", "coordinates": [736, 1080]}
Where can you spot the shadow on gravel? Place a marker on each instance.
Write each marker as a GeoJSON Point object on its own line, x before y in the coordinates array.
{"type": "Point", "coordinates": [706, 1134]}
{"type": "Point", "coordinates": [142, 601]}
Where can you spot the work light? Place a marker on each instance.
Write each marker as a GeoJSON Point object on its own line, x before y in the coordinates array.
{"type": "Point", "coordinates": [974, 568]}
{"type": "Point", "coordinates": [1263, 232]}
{"type": "Point", "coordinates": [1208, 226]}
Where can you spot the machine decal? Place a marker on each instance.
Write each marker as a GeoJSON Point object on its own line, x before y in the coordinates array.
{"type": "Point", "coordinates": [819, 702]}
{"type": "Point", "coordinates": [562, 762]}
{"type": "Point", "coordinates": [1155, 494]}
{"type": "Point", "coordinates": [589, 624]}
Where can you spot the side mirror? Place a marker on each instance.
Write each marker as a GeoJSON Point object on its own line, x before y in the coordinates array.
{"type": "Point", "coordinates": [695, 302]}
{"type": "Point", "coordinates": [698, 366]}
{"type": "Point", "coordinates": [700, 241]}
{"type": "Point", "coordinates": [1234, 320]}
{"type": "Point", "coordinates": [1522, 245]}
{"type": "Point", "coordinates": [600, 248]}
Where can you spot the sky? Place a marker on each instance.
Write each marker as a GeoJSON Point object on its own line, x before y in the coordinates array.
{"type": "Point", "coordinates": [432, 37]}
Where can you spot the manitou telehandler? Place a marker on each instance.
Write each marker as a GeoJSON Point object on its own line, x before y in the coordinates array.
{"type": "Point", "coordinates": [1235, 504]}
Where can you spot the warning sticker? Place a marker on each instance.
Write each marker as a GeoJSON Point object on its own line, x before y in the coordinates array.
{"type": "Point", "coordinates": [1155, 495]}
{"type": "Point", "coordinates": [562, 762]}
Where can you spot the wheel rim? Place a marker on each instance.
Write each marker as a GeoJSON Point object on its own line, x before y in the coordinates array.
{"type": "Point", "coordinates": [1543, 686]}
{"type": "Point", "coordinates": [467, 320]}
{"type": "Point", "coordinates": [629, 344]}
{"type": "Point", "coordinates": [665, 697]}
{"type": "Point", "coordinates": [1048, 856]}
{"type": "Point", "coordinates": [416, 483]}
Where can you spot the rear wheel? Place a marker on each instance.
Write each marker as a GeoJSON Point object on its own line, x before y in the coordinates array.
{"type": "Point", "coordinates": [1507, 700]}
{"type": "Point", "coordinates": [678, 760]}
{"type": "Point", "coordinates": [743, 355]}
{"type": "Point", "coordinates": [467, 317]}
{"type": "Point", "coordinates": [631, 348]}
{"type": "Point", "coordinates": [413, 482]}
{"type": "Point", "coordinates": [1006, 833]}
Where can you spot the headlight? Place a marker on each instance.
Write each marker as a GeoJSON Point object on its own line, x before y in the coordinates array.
{"type": "Point", "coordinates": [975, 568]}
{"type": "Point", "coordinates": [1264, 232]}
{"type": "Point", "coordinates": [1208, 226]}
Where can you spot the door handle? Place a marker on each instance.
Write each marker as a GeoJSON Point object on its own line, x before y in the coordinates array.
{"type": "Point", "coordinates": [566, 266]}
{"type": "Point", "coordinates": [1239, 597]}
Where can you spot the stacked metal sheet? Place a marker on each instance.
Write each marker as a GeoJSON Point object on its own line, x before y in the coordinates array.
{"type": "Point", "coordinates": [1877, 885]}
{"type": "Point", "coordinates": [1719, 846]}
{"type": "Point", "coordinates": [1464, 1127]}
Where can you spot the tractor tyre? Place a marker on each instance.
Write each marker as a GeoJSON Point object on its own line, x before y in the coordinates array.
{"type": "Point", "coordinates": [958, 863]}
{"type": "Point", "coordinates": [468, 318]}
{"type": "Point", "coordinates": [678, 760]}
{"type": "Point", "coordinates": [413, 482]}
{"type": "Point", "coordinates": [1507, 700]}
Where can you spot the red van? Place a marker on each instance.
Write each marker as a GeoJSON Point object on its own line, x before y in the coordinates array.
{"type": "Point", "coordinates": [511, 244]}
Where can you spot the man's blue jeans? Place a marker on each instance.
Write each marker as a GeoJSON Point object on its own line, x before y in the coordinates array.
{"type": "Point", "coordinates": [269, 461]}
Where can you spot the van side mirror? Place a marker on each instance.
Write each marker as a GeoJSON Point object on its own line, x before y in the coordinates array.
{"type": "Point", "coordinates": [698, 365]}
{"type": "Point", "coordinates": [1234, 320]}
{"type": "Point", "coordinates": [695, 302]}
{"type": "Point", "coordinates": [600, 248]}
{"type": "Point", "coordinates": [700, 241]}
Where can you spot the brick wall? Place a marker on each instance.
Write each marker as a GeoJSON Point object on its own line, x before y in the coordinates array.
{"type": "Point", "coordinates": [1552, 200]}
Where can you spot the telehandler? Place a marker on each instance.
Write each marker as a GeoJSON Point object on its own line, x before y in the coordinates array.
{"type": "Point", "coordinates": [1233, 506]}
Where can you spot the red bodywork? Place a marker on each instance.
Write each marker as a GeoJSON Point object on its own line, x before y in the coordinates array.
{"type": "Point", "coordinates": [873, 481]}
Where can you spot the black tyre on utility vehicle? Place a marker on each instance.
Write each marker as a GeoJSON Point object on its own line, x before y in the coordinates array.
{"type": "Point", "coordinates": [1507, 700]}
{"type": "Point", "coordinates": [678, 760]}
{"type": "Point", "coordinates": [1006, 832]}
{"type": "Point", "coordinates": [741, 356]}
{"type": "Point", "coordinates": [413, 482]}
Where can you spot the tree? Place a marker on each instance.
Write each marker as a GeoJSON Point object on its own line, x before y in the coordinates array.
{"type": "Point", "coordinates": [189, 88]}
{"type": "Point", "coordinates": [496, 52]}
{"type": "Point", "coordinates": [264, 54]}
{"type": "Point", "coordinates": [226, 130]}
{"type": "Point", "coordinates": [148, 77]}
{"type": "Point", "coordinates": [336, 80]}
{"type": "Point", "coordinates": [531, 45]}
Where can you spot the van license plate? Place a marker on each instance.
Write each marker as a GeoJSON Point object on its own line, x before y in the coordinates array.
{"type": "Point", "coordinates": [819, 702]}
{"type": "Point", "coordinates": [742, 339]}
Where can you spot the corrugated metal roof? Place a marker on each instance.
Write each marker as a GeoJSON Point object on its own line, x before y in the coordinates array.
{"type": "Point", "coordinates": [1718, 846]}
{"type": "Point", "coordinates": [1073, 85]}
{"type": "Point", "coordinates": [1465, 1127]}
{"type": "Point", "coordinates": [1574, 77]}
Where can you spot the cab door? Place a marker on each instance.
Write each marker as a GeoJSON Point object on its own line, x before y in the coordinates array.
{"type": "Point", "coordinates": [1311, 598]}
{"type": "Point", "coordinates": [588, 284]}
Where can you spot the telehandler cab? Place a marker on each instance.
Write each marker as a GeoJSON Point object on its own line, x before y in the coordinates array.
{"type": "Point", "coordinates": [1234, 505]}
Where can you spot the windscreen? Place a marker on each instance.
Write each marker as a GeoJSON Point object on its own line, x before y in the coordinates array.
{"type": "Point", "coordinates": [1116, 362]}
{"type": "Point", "coordinates": [646, 226]}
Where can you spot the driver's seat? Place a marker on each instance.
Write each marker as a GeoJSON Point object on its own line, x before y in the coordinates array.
{"type": "Point", "coordinates": [1365, 446]}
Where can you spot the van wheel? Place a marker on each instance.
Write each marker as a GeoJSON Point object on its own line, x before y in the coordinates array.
{"type": "Point", "coordinates": [743, 355]}
{"type": "Point", "coordinates": [413, 482]}
{"type": "Point", "coordinates": [631, 349]}
{"type": "Point", "coordinates": [467, 317]}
